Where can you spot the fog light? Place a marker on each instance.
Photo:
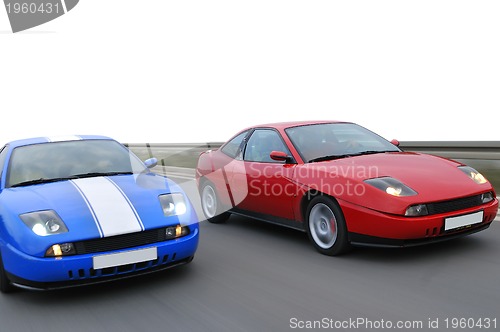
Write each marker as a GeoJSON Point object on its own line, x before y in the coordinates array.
{"type": "Point", "coordinates": [173, 232]}
{"type": "Point", "coordinates": [487, 197]}
{"type": "Point", "coordinates": [63, 249]}
{"type": "Point", "coordinates": [170, 232]}
{"type": "Point", "coordinates": [416, 210]}
{"type": "Point", "coordinates": [56, 249]}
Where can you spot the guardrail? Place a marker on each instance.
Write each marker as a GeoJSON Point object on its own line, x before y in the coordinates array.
{"type": "Point", "coordinates": [476, 150]}
{"type": "Point", "coordinates": [172, 154]}
{"type": "Point", "coordinates": [482, 155]}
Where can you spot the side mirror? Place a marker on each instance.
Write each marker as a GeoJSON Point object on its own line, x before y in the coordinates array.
{"type": "Point", "coordinates": [151, 162]}
{"type": "Point", "coordinates": [280, 156]}
{"type": "Point", "coordinates": [395, 142]}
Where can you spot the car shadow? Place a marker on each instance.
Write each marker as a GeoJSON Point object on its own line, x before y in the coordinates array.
{"type": "Point", "coordinates": [270, 231]}
{"type": "Point", "coordinates": [128, 287]}
{"type": "Point", "coordinates": [450, 248]}
{"type": "Point", "coordinates": [440, 250]}
{"type": "Point", "coordinates": [278, 241]}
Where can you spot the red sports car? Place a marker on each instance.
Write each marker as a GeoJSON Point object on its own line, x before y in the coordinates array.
{"type": "Point", "coordinates": [343, 185]}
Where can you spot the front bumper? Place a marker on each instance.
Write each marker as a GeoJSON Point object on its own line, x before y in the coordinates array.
{"type": "Point", "coordinates": [374, 228]}
{"type": "Point", "coordinates": [373, 241]}
{"type": "Point", "coordinates": [53, 273]}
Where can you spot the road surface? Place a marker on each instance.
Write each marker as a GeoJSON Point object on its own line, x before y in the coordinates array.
{"type": "Point", "coordinates": [252, 276]}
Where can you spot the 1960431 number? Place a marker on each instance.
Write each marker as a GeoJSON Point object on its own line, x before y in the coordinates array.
{"type": "Point", "coordinates": [33, 8]}
{"type": "Point", "coordinates": [471, 323]}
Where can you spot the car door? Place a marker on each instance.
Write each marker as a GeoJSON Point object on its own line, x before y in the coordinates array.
{"type": "Point", "coordinates": [269, 187]}
{"type": "Point", "coordinates": [227, 172]}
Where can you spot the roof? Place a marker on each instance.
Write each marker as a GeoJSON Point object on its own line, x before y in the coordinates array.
{"type": "Point", "coordinates": [284, 125]}
{"type": "Point", "coordinates": [38, 140]}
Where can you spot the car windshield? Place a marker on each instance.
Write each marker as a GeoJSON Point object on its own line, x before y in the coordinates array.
{"type": "Point", "coordinates": [48, 162]}
{"type": "Point", "coordinates": [328, 141]}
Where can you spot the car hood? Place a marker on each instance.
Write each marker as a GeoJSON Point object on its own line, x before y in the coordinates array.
{"type": "Point", "coordinates": [90, 207]}
{"type": "Point", "coordinates": [433, 178]}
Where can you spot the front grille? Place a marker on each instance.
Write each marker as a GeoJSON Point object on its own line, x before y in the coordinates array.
{"type": "Point", "coordinates": [454, 205]}
{"type": "Point", "coordinates": [89, 276]}
{"type": "Point", "coordinates": [118, 242]}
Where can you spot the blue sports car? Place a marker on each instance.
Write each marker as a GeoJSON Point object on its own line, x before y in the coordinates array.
{"type": "Point", "coordinates": [84, 209]}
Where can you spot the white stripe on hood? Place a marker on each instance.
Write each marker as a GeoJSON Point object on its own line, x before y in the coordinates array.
{"type": "Point", "coordinates": [110, 207]}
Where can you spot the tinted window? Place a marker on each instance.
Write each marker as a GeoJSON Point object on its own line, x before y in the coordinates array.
{"type": "Point", "coordinates": [232, 148]}
{"type": "Point", "coordinates": [262, 143]}
{"type": "Point", "coordinates": [67, 159]}
{"type": "Point", "coordinates": [319, 140]}
{"type": "Point", "coordinates": [3, 155]}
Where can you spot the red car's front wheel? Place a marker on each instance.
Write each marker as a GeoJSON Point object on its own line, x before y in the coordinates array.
{"type": "Point", "coordinates": [211, 205]}
{"type": "Point", "coordinates": [326, 226]}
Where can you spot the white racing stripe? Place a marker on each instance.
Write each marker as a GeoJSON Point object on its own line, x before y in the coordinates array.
{"type": "Point", "coordinates": [112, 211]}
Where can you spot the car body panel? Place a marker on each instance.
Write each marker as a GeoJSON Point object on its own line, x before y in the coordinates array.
{"type": "Point", "coordinates": [94, 208]}
{"type": "Point", "coordinates": [413, 169]}
{"type": "Point", "coordinates": [279, 191]}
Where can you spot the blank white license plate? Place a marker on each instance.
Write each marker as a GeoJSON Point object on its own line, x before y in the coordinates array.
{"type": "Point", "coordinates": [124, 258]}
{"type": "Point", "coordinates": [461, 221]}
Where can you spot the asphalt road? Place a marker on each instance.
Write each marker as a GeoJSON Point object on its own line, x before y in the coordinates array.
{"type": "Point", "coordinates": [252, 276]}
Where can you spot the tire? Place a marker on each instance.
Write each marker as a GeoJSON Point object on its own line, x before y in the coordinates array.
{"type": "Point", "coordinates": [326, 226]}
{"type": "Point", "coordinates": [5, 285]}
{"type": "Point", "coordinates": [210, 204]}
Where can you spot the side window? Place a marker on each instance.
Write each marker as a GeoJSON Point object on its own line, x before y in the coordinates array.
{"type": "Point", "coordinates": [262, 143]}
{"type": "Point", "coordinates": [232, 148]}
{"type": "Point", "coordinates": [3, 155]}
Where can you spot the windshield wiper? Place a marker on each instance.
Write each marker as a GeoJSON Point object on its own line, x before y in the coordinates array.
{"type": "Point", "coordinates": [71, 177]}
{"type": "Point", "coordinates": [37, 181]}
{"type": "Point", "coordinates": [93, 174]}
{"type": "Point", "coordinates": [340, 156]}
{"type": "Point", "coordinates": [362, 153]}
{"type": "Point", "coordinates": [329, 157]}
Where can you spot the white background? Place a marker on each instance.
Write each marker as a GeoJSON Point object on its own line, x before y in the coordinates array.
{"type": "Point", "coordinates": [198, 71]}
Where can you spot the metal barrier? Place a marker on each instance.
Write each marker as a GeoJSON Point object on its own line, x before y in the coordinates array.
{"type": "Point", "coordinates": [479, 150]}
{"type": "Point", "coordinates": [482, 155]}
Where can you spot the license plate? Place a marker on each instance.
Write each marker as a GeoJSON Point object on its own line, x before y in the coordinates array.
{"type": "Point", "coordinates": [461, 221]}
{"type": "Point", "coordinates": [124, 258]}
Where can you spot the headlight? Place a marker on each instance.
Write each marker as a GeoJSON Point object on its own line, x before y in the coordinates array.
{"type": "Point", "coordinates": [44, 223]}
{"type": "Point", "coordinates": [391, 186]}
{"type": "Point", "coordinates": [416, 210]}
{"type": "Point", "coordinates": [173, 204]}
{"type": "Point", "coordinates": [473, 174]}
